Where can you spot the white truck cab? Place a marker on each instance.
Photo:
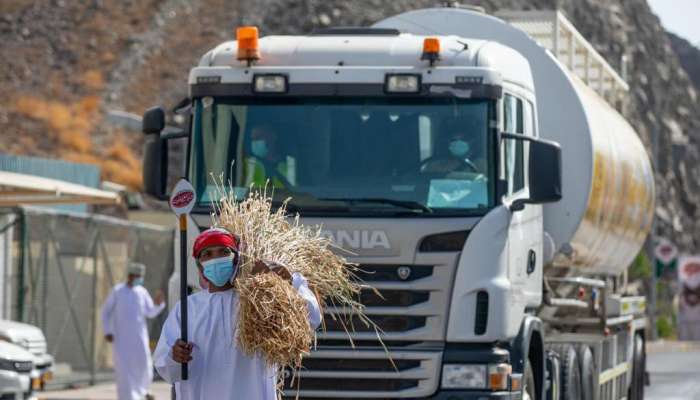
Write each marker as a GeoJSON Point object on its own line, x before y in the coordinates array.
{"type": "Point", "coordinates": [491, 194]}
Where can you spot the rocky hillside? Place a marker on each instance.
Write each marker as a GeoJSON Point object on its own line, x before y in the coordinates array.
{"type": "Point", "coordinates": [65, 63]}
{"type": "Point", "coordinates": [689, 56]}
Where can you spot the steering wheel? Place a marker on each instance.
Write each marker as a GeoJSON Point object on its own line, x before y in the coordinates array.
{"type": "Point", "coordinates": [466, 164]}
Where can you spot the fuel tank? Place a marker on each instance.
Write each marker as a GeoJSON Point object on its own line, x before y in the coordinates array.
{"type": "Point", "coordinates": [608, 186]}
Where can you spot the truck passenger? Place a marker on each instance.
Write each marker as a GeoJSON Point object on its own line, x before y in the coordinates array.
{"type": "Point", "coordinates": [267, 162]}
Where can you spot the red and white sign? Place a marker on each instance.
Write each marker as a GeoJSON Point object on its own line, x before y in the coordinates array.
{"type": "Point", "coordinates": [183, 198]}
{"type": "Point", "coordinates": [666, 251]}
{"type": "Point", "coordinates": [689, 272]}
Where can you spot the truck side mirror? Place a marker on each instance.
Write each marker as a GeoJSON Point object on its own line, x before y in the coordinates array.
{"type": "Point", "coordinates": [155, 154]}
{"type": "Point", "coordinates": [544, 171]}
{"type": "Point", "coordinates": [153, 121]}
{"type": "Point", "coordinates": [155, 166]}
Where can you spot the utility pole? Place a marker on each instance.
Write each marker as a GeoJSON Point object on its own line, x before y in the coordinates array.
{"type": "Point", "coordinates": [651, 254]}
{"type": "Point", "coordinates": [651, 244]}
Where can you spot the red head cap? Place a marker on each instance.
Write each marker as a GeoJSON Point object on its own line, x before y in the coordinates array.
{"type": "Point", "coordinates": [214, 237]}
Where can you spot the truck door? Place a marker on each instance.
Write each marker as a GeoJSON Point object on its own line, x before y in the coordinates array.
{"type": "Point", "coordinates": [525, 231]}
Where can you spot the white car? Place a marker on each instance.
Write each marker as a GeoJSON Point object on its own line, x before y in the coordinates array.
{"type": "Point", "coordinates": [31, 339]}
{"type": "Point", "coordinates": [16, 370]}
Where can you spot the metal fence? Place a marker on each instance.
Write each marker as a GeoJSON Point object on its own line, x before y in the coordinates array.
{"type": "Point", "coordinates": [64, 266]}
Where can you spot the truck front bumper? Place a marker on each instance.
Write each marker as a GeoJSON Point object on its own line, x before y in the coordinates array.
{"type": "Point", "coordinates": [14, 384]}
{"type": "Point", "coordinates": [471, 395]}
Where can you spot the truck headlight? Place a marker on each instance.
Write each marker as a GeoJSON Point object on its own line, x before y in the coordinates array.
{"type": "Point", "coordinates": [7, 365]}
{"type": "Point", "coordinates": [402, 83]}
{"type": "Point", "coordinates": [464, 376]}
{"type": "Point", "coordinates": [270, 83]}
{"type": "Point", "coordinates": [499, 376]}
{"type": "Point", "coordinates": [19, 366]}
{"type": "Point", "coordinates": [476, 376]}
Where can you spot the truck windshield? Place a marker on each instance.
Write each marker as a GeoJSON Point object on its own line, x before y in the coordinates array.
{"type": "Point", "coordinates": [347, 155]}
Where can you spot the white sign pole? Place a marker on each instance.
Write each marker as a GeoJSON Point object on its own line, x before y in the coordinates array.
{"type": "Point", "coordinates": [181, 202]}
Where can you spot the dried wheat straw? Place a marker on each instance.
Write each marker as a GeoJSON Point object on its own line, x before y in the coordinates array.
{"type": "Point", "coordinates": [273, 319]}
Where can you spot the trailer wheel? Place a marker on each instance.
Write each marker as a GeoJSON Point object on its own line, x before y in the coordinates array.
{"type": "Point", "coordinates": [553, 375]}
{"type": "Point", "coordinates": [587, 364]}
{"type": "Point", "coordinates": [636, 389]}
{"type": "Point", "coordinates": [529, 387]}
{"type": "Point", "coordinates": [570, 372]}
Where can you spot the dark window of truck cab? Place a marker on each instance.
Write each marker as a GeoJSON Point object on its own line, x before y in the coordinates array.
{"type": "Point", "coordinates": [367, 155]}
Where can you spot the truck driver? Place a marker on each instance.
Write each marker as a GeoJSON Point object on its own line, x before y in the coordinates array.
{"type": "Point", "coordinates": [463, 152]}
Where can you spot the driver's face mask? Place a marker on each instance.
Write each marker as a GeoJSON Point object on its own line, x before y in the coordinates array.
{"type": "Point", "coordinates": [259, 148]}
{"type": "Point", "coordinates": [459, 148]}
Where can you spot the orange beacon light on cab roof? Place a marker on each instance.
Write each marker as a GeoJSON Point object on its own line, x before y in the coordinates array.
{"type": "Point", "coordinates": [248, 50]}
{"type": "Point", "coordinates": [431, 50]}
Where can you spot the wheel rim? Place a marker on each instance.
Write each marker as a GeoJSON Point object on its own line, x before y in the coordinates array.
{"type": "Point", "coordinates": [528, 383]}
{"type": "Point", "coordinates": [575, 390]}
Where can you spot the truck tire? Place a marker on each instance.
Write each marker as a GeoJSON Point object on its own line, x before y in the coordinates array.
{"type": "Point", "coordinates": [529, 388]}
{"type": "Point", "coordinates": [636, 389]}
{"type": "Point", "coordinates": [587, 365]}
{"type": "Point", "coordinates": [570, 372]}
{"type": "Point", "coordinates": [553, 376]}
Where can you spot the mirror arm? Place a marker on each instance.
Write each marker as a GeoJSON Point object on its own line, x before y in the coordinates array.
{"type": "Point", "coordinates": [518, 205]}
{"type": "Point", "coordinates": [173, 133]}
{"type": "Point", "coordinates": [519, 136]}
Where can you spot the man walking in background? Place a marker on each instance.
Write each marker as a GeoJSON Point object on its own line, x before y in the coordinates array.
{"type": "Point", "coordinates": [124, 321]}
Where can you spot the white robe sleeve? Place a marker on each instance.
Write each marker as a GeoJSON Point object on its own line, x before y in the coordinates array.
{"type": "Point", "coordinates": [167, 368]}
{"type": "Point", "coordinates": [302, 286]}
{"type": "Point", "coordinates": [107, 312]}
{"type": "Point", "coordinates": [151, 310]}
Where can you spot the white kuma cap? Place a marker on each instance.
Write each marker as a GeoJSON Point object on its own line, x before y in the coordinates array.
{"type": "Point", "coordinates": [137, 269]}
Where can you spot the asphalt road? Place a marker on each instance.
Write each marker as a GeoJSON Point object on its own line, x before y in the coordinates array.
{"type": "Point", "coordinates": [674, 374]}
{"type": "Point", "coordinates": [674, 370]}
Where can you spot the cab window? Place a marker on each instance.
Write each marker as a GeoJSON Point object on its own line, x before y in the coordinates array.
{"type": "Point", "coordinates": [512, 153]}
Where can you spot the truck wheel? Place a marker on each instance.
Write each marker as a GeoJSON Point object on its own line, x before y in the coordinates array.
{"type": "Point", "coordinates": [636, 389]}
{"type": "Point", "coordinates": [553, 375]}
{"type": "Point", "coordinates": [587, 364]}
{"type": "Point", "coordinates": [529, 383]}
{"type": "Point", "coordinates": [570, 372]}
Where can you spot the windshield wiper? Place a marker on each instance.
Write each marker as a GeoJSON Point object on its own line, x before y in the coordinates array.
{"type": "Point", "coordinates": [411, 205]}
{"type": "Point", "coordinates": [301, 208]}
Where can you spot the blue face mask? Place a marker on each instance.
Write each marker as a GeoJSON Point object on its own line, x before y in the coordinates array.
{"type": "Point", "coordinates": [137, 281]}
{"type": "Point", "coordinates": [459, 148]}
{"type": "Point", "coordinates": [259, 148]}
{"type": "Point", "coordinates": [219, 271]}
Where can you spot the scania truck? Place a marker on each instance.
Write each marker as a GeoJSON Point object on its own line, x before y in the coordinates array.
{"type": "Point", "coordinates": [480, 173]}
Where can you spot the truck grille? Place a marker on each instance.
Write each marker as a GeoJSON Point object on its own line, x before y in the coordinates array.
{"type": "Point", "coordinates": [334, 374]}
{"type": "Point", "coordinates": [392, 298]}
{"type": "Point", "coordinates": [390, 273]}
{"type": "Point", "coordinates": [360, 364]}
{"type": "Point", "coordinates": [385, 323]}
{"type": "Point", "coordinates": [408, 305]}
{"type": "Point", "coordinates": [358, 385]}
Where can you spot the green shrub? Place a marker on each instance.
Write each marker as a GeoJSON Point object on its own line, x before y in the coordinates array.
{"type": "Point", "coordinates": [641, 267]}
{"type": "Point", "coordinates": [664, 327]}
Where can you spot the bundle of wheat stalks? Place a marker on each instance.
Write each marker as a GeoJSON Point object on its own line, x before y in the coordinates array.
{"type": "Point", "coordinates": [272, 318]}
